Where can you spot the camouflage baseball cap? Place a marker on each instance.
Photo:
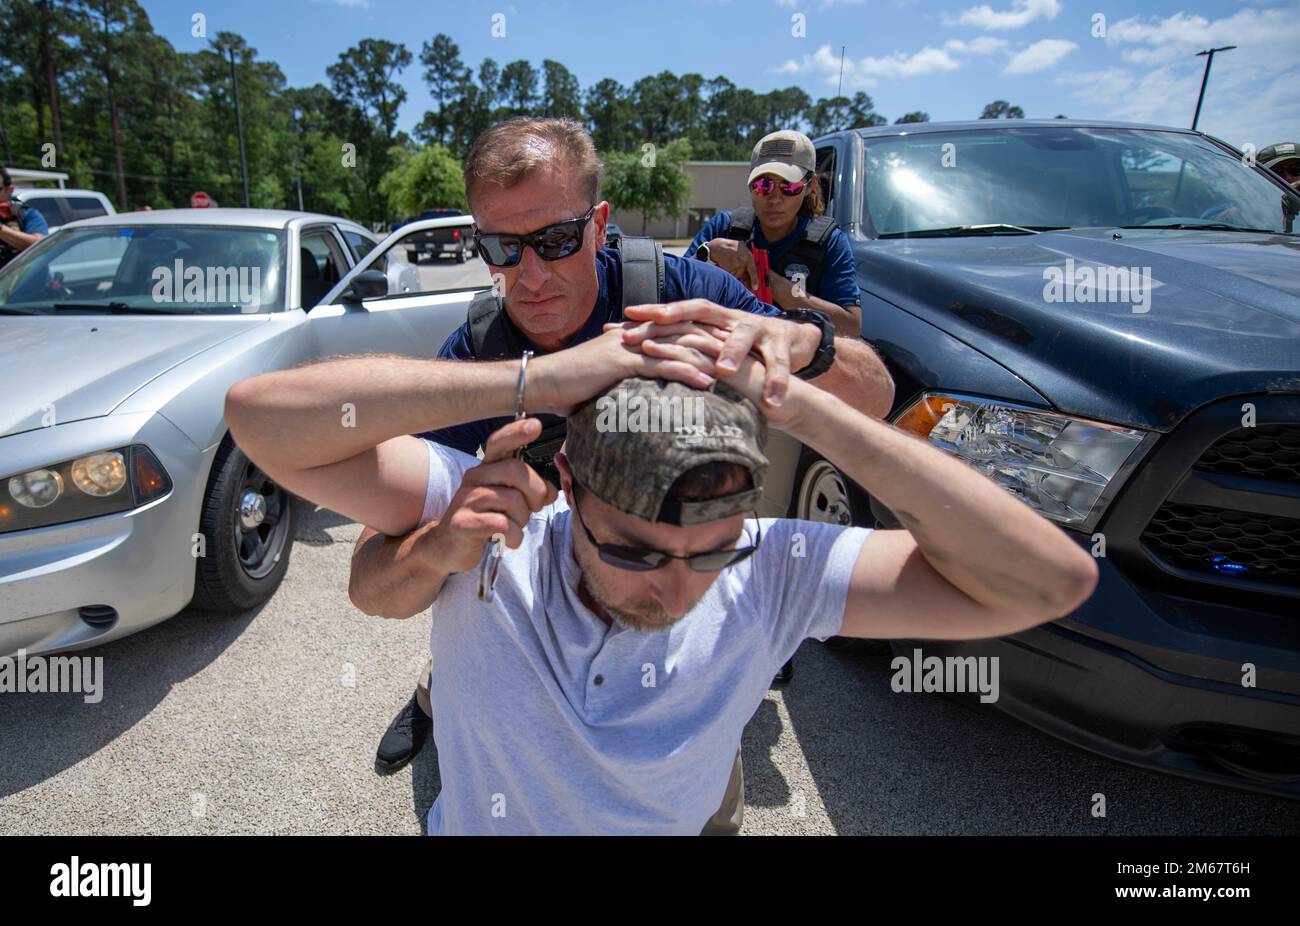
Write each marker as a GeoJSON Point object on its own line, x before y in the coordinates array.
{"type": "Point", "coordinates": [631, 443]}
{"type": "Point", "coordinates": [1275, 154]}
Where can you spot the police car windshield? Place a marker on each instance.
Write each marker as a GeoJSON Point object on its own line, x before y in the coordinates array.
{"type": "Point", "coordinates": [149, 269]}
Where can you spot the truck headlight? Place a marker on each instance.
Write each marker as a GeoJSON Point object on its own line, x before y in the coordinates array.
{"type": "Point", "coordinates": [83, 487]}
{"type": "Point", "coordinates": [1063, 467]}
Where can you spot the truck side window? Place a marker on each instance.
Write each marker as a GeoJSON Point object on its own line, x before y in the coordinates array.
{"type": "Point", "coordinates": [826, 176]}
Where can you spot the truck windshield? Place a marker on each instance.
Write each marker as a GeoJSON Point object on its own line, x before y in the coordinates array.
{"type": "Point", "coordinates": [1065, 177]}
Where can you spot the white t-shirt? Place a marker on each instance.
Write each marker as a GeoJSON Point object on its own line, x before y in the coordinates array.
{"type": "Point", "coordinates": [547, 720]}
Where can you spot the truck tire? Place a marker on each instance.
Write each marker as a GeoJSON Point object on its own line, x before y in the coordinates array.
{"type": "Point", "coordinates": [823, 493]}
{"type": "Point", "coordinates": [247, 525]}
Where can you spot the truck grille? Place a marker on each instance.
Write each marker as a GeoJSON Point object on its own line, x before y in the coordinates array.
{"type": "Point", "coordinates": [1270, 451]}
{"type": "Point", "coordinates": [1226, 518]}
{"type": "Point", "coordinates": [1224, 542]}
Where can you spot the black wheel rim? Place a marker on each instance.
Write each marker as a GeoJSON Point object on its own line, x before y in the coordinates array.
{"type": "Point", "coordinates": [261, 523]}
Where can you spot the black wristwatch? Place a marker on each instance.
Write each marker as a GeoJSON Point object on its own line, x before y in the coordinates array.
{"type": "Point", "coordinates": [825, 356]}
{"type": "Point", "coordinates": [702, 252]}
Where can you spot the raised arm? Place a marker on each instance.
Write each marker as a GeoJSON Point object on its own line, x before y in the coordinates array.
{"type": "Point", "coordinates": [858, 376]}
{"type": "Point", "coordinates": [972, 561]}
{"type": "Point", "coordinates": [337, 432]}
{"type": "Point", "coordinates": [399, 577]}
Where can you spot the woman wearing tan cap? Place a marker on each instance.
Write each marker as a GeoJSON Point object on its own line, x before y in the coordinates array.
{"type": "Point", "coordinates": [811, 264]}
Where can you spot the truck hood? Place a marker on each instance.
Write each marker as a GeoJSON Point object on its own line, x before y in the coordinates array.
{"type": "Point", "coordinates": [1220, 317]}
{"type": "Point", "coordinates": [57, 369]}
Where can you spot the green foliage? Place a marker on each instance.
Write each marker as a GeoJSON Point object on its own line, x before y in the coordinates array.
{"type": "Point", "coordinates": [147, 124]}
{"type": "Point", "coordinates": [560, 94]}
{"type": "Point", "coordinates": [1001, 109]}
{"type": "Point", "coordinates": [653, 183]}
{"type": "Point", "coordinates": [424, 179]}
{"type": "Point", "coordinates": [445, 75]}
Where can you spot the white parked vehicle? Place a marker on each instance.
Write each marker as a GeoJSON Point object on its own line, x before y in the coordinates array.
{"type": "Point", "coordinates": [59, 207]}
{"type": "Point", "coordinates": [122, 496]}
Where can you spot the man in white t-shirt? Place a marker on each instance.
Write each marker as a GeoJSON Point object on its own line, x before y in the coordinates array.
{"type": "Point", "coordinates": [638, 618]}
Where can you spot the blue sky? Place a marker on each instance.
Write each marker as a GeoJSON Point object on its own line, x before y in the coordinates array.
{"type": "Point", "coordinates": [946, 57]}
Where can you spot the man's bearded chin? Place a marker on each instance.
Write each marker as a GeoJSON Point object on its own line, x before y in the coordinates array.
{"type": "Point", "coordinates": [642, 617]}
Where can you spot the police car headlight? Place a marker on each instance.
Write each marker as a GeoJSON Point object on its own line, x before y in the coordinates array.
{"type": "Point", "coordinates": [88, 486]}
{"type": "Point", "coordinates": [1066, 468]}
{"type": "Point", "coordinates": [37, 488]}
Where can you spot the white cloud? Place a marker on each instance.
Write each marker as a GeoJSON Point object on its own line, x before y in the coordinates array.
{"type": "Point", "coordinates": [868, 72]}
{"type": "Point", "coordinates": [980, 45]}
{"type": "Point", "coordinates": [926, 61]}
{"type": "Point", "coordinates": [1161, 75]}
{"type": "Point", "coordinates": [1021, 14]}
{"type": "Point", "coordinates": [1039, 56]}
{"type": "Point", "coordinates": [1159, 41]}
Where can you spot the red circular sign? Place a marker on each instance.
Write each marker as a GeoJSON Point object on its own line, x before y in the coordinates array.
{"type": "Point", "coordinates": [201, 200]}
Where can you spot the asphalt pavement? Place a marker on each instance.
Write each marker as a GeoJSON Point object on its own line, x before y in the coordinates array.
{"type": "Point", "coordinates": [267, 722]}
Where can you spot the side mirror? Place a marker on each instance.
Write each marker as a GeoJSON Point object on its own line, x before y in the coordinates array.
{"type": "Point", "coordinates": [368, 284]}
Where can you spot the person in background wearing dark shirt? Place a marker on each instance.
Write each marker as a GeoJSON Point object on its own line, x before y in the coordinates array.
{"type": "Point", "coordinates": [20, 226]}
{"type": "Point", "coordinates": [811, 263]}
{"type": "Point", "coordinates": [539, 178]}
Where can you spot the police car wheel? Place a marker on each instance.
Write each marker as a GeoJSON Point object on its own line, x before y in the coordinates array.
{"type": "Point", "coordinates": [246, 526]}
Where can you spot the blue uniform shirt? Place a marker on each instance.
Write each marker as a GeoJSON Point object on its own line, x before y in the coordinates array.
{"type": "Point", "coordinates": [34, 223]}
{"type": "Point", "coordinates": [683, 279]}
{"type": "Point", "coordinates": [839, 282]}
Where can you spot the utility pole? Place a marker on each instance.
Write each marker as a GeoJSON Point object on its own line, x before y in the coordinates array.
{"type": "Point", "coordinates": [1205, 78]}
{"type": "Point", "coordinates": [239, 125]}
{"type": "Point", "coordinates": [297, 157]}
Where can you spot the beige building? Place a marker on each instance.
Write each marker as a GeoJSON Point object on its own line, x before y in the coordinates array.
{"type": "Point", "coordinates": [715, 185]}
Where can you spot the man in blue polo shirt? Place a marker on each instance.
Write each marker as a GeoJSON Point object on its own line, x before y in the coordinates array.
{"type": "Point", "coordinates": [532, 186]}
{"type": "Point", "coordinates": [683, 279]}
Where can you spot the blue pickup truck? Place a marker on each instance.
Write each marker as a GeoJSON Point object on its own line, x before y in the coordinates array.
{"type": "Point", "coordinates": [1105, 319]}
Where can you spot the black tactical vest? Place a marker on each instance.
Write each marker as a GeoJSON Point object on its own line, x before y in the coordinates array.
{"type": "Point", "coordinates": [494, 337]}
{"type": "Point", "coordinates": [807, 254]}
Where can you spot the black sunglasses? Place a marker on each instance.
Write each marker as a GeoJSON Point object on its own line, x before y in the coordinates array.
{"type": "Point", "coordinates": [554, 242]}
{"type": "Point", "coordinates": [638, 559]}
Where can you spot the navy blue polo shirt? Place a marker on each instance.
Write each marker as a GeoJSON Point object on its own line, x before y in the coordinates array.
{"type": "Point", "coordinates": [683, 279]}
{"type": "Point", "coordinates": [839, 282]}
